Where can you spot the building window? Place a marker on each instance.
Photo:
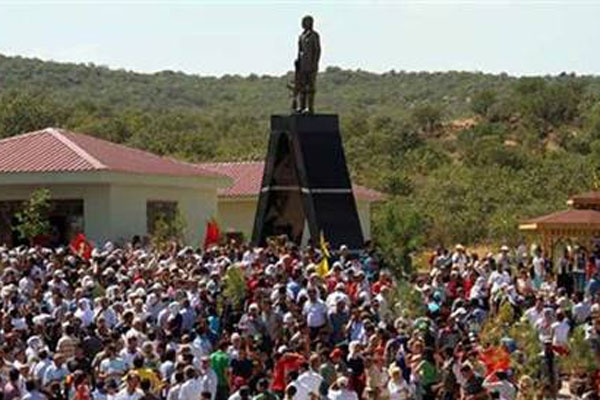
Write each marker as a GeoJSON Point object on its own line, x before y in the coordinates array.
{"type": "Point", "coordinates": [156, 209]}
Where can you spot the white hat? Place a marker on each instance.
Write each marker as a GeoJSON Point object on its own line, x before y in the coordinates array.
{"type": "Point", "coordinates": [342, 381]}
{"type": "Point", "coordinates": [288, 318]}
{"type": "Point", "coordinates": [282, 349]}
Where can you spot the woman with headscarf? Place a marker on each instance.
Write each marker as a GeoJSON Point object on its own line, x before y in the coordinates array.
{"type": "Point", "coordinates": [84, 312]}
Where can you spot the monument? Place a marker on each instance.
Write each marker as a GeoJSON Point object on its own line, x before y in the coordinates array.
{"type": "Point", "coordinates": [305, 183]}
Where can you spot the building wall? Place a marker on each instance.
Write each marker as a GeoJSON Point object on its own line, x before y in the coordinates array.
{"type": "Point", "coordinates": [128, 209]}
{"type": "Point", "coordinates": [117, 212]}
{"type": "Point", "coordinates": [237, 214]}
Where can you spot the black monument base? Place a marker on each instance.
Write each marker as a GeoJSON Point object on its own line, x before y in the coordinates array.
{"type": "Point", "coordinates": [306, 183]}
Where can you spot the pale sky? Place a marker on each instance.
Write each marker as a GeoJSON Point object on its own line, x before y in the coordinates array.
{"type": "Point", "coordinates": [242, 37]}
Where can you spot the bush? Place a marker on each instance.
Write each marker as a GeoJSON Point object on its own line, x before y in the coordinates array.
{"type": "Point", "coordinates": [400, 231]}
{"type": "Point", "coordinates": [168, 229]}
{"type": "Point", "coordinates": [33, 221]}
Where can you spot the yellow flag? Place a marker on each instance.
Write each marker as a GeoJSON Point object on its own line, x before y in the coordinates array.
{"type": "Point", "coordinates": [323, 267]}
{"type": "Point", "coordinates": [323, 244]}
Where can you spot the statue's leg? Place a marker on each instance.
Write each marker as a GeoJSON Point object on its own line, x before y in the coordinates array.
{"type": "Point", "coordinates": [295, 101]}
{"type": "Point", "coordinates": [303, 99]}
{"type": "Point", "coordinates": [311, 88]}
{"type": "Point", "coordinates": [303, 86]}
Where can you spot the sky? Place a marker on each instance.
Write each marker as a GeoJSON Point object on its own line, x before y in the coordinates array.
{"type": "Point", "coordinates": [241, 37]}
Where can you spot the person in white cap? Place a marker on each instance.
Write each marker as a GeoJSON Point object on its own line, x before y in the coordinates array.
{"type": "Point", "coordinates": [459, 257]}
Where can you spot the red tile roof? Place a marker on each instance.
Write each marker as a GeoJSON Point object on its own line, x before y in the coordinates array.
{"type": "Point", "coordinates": [57, 150]}
{"type": "Point", "coordinates": [247, 179]}
{"type": "Point", "coordinates": [566, 218]}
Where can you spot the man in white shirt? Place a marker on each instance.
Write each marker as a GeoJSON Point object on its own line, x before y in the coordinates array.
{"type": "Point", "coordinates": [310, 381]}
{"type": "Point", "coordinates": [39, 370]}
{"type": "Point", "coordinates": [582, 309]}
{"type": "Point", "coordinates": [534, 313]}
{"type": "Point", "coordinates": [56, 371]}
{"type": "Point", "coordinates": [192, 388]}
{"type": "Point", "coordinates": [131, 390]}
{"type": "Point", "coordinates": [336, 296]}
{"type": "Point", "coordinates": [130, 351]}
{"type": "Point", "coordinates": [560, 331]}
{"type": "Point", "coordinates": [208, 377]}
{"type": "Point", "coordinates": [315, 312]}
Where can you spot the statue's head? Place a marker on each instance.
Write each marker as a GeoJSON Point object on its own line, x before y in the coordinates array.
{"type": "Point", "coordinates": [307, 22]}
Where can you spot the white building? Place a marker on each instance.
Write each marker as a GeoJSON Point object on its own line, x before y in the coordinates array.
{"type": "Point", "coordinates": [109, 191]}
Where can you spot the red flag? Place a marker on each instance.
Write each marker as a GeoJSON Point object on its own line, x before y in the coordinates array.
{"type": "Point", "coordinates": [80, 246]}
{"type": "Point", "coordinates": [212, 233]}
{"type": "Point", "coordinates": [495, 359]}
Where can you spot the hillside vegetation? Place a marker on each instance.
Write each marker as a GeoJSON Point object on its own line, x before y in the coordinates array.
{"type": "Point", "coordinates": [464, 156]}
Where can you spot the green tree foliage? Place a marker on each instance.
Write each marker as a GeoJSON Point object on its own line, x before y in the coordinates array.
{"type": "Point", "coordinates": [581, 357]}
{"type": "Point", "coordinates": [400, 231]}
{"type": "Point", "coordinates": [32, 220]}
{"type": "Point", "coordinates": [166, 229]}
{"type": "Point", "coordinates": [483, 101]}
{"type": "Point", "coordinates": [28, 111]}
{"type": "Point", "coordinates": [406, 301]}
{"type": "Point", "coordinates": [526, 361]}
{"type": "Point", "coordinates": [427, 116]}
{"type": "Point", "coordinates": [496, 327]}
{"type": "Point", "coordinates": [235, 286]}
{"type": "Point", "coordinates": [471, 153]}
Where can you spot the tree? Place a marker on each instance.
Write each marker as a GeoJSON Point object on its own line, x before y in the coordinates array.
{"type": "Point", "coordinates": [27, 112]}
{"type": "Point", "coordinates": [406, 301]}
{"type": "Point", "coordinates": [32, 220]}
{"type": "Point", "coordinates": [581, 357]}
{"type": "Point", "coordinates": [168, 228]}
{"type": "Point", "coordinates": [483, 101]}
{"type": "Point", "coordinates": [427, 116]}
{"type": "Point", "coordinates": [400, 231]}
{"type": "Point", "coordinates": [529, 348]}
{"type": "Point", "coordinates": [235, 286]}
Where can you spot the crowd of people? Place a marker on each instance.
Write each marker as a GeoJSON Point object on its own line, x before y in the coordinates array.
{"type": "Point", "coordinates": [133, 322]}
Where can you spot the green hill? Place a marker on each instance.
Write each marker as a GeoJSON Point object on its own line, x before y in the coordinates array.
{"type": "Point", "coordinates": [463, 155]}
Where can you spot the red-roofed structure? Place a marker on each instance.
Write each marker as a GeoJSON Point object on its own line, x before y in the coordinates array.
{"type": "Point", "coordinates": [57, 150]}
{"type": "Point", "coordinates": [581, 222]}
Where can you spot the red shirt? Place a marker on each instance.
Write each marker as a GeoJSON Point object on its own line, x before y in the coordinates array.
{"type": "Point", "coordinates": [376, 288]}
{"type": "Point", "coordinates": [287, 363]}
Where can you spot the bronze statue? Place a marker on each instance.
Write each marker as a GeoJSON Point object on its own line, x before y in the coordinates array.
{"type": "Point", "coordinates": [306, 68]}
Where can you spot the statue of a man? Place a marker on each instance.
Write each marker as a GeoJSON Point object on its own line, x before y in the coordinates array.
{"type": "Point", "coordinates": [307, 66]}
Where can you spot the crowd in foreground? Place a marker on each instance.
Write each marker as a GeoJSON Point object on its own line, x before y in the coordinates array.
{"type": "Point", "coordinates": [130, 323]}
